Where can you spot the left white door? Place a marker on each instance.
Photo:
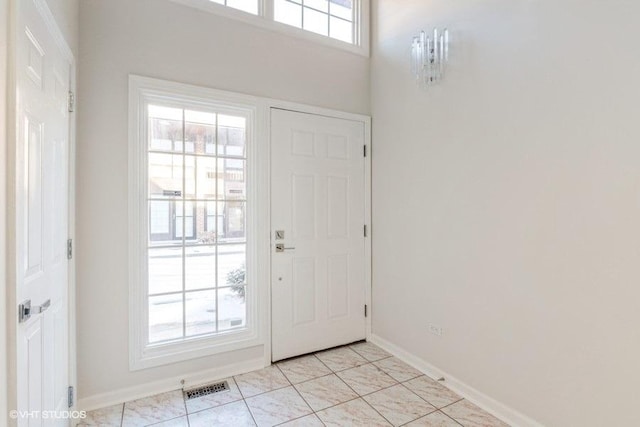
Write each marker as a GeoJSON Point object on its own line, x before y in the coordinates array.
{"type": "Point", "coordinates": [42, 188]}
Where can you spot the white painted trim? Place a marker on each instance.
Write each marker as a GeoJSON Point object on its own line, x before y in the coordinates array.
{"type": "Point", "coordinates": [263, 152]}
{"type": "Point", "coordinates": [4, 105]}
{"type": "Point", "coordinates": [319, 111]}
{"type": "Point", "coordinates": [54, 29]}
{"type": "Point", "coordinates": [11, 242]}
{"type": "Point", "coordinates": [168, 384]}
{"type": "Point", "coordinates": [9, 29]}
{"type": "Point", "coordinates": [366, 122]}
{"type": "Point", "coordinates": [263, 148]}
{"type": "Point", "coordinates": [265, 20]}
{"type": "Point", "coordinates": [73, 356]}
{"type": "Point", "coordinates": [498, 409]}
{"type": "Point", "coordinates": [142, 91]}
{"type": "Point", "coordinates": [369, 221]}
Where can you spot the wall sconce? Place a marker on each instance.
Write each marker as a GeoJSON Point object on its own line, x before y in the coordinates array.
{"type": "Point", "coordinates": [429, 54]}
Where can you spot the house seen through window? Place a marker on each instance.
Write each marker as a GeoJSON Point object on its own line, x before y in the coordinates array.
{"type": "Point", "coordinates": [197, 234]}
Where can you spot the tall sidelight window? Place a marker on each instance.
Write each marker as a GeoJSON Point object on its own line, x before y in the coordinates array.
{"type": "Point", "coordinates": [195, 282]}
{"type": "Point", "coordinates": [197, 235]}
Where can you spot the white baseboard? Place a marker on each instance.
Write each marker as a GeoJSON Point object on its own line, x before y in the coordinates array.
{"type": "Point", "coordinates": [498, 409]}
{"type": "Point", "coordinates": [169, 384]}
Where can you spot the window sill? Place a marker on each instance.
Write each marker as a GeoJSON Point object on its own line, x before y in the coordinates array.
{"type": "Point", "coordinates": [180, 351]}
{"type": "Point", "coordinates": [261, 21]}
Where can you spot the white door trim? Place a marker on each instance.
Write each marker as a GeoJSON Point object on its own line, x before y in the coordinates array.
{"type": "Point", "coordinates": [366, 121]}
{"type": "Point", "coordinates": [9, 323]}
{"type": "Point", "coordinates": [4, 107]}
{"type": "Point", "coordinates": [263, 131]}
{"type": "Point", "coordinates": [73, 356]}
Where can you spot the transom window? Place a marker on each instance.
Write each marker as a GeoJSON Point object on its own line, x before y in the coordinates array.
{"type": "Point", "coordinates": [342, 23]}
{"type": "Point", "coordinates": [333, 18]}
{"type": "Point", "coordinates": [250, 6]}
{"type": "Point", "coordinates": [192, 218]}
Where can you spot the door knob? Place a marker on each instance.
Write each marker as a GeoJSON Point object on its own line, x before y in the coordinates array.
{"type": "Point", "coordinates": [281, 248]}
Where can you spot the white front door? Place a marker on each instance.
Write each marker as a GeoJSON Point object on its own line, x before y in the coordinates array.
{"type": "Point", "coordinates": [42, 187]}
{"type": "Point", "coordinates": [318, 216]}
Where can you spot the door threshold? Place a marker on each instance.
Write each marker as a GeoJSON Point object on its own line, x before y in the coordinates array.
{"type": "Point", "coordinates": [319, 351]}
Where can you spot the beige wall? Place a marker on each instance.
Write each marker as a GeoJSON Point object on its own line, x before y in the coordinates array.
{"type": "Point", "coordinates": [507, 204]}
{"type": "Point", "coordinates": [66, 14]}
{"type": "Point", "coordinates": [161, 39]}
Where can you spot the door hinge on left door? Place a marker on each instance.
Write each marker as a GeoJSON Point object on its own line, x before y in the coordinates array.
{"type": "Point", "coordinates": [70, 396]}
{"type": "Point", "coordinates": [72, 102]}
{"type": "Point", "coordinates": [69, 248]}
{"type": "Point", "coordinates": [366, 311]}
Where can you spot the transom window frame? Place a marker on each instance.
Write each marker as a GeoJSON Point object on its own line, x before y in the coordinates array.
{"type": "Point", "coordinates": [142, 92]}
{"type": "Point", "coordinates": [265, 19]}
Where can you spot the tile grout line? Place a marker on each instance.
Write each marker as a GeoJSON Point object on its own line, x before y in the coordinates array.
{"type": "Point", "coordinates": [122, 415]}
{"type": "Point", "coordinates": [186, 411]}
{"type": "Point", "coordinates": [429, 414]}
{"type": "Point", "coordinates": [246, 405]}
{"type": "Point", "coordinates": [333, 372]}
{"type": "Point", "coordinates": [298, 392]}
{"type": "Point", "coordinates": [361, 397]}
{"type": "Point", "coordinates": [422, 398]}
{"type": "Point", "coordinates": [435, 406]}
{"type": "Point", "coordinates": [451, 404]}
{"type": "Point", "coordinates": [314, 412]}
{"type": "Point", "coordinates": [264, 392]}
{"type": "Point", "coordinates": [337, 376]}
{"type": "Point", "coordinates": [371, 406]}
{"type": "Point", "coordinates": [370, 361]}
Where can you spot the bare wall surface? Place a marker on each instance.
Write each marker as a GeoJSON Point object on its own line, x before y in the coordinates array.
{"type": "Point", "coordinates": [506, 202]}
{"type": "Point", "coordinates": [66, 14]}
{"type": "Point", "coordinates": [161, 39]}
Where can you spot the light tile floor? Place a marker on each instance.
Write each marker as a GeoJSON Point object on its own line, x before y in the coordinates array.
{"type": "Point", "coordinates": [355, 385]}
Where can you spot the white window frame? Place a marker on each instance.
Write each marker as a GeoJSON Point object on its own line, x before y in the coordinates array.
{"type": "Point", "coordinates": [143, 91]}
{"type": "Point", "coordinates": [265, 19]}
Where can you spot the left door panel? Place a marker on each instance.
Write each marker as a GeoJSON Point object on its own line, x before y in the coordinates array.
{"type": "Point", "coordinates": [42, 217]}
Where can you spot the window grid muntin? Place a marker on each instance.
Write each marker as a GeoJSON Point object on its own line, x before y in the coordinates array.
{"type": "Point", "coordinates": [226, 4]}
{"type": "Point", "coordinates": [184, 244]}
{"type": "Point", "coordinates": [265, 9]}
{"type": "Point", "coordinates": [190, 291]}
{"type": "Point", "coordinates": [303, 5]}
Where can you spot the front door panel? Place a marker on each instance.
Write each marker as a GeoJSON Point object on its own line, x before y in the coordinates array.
{"type": "Point", "coordinates": [318, 188]}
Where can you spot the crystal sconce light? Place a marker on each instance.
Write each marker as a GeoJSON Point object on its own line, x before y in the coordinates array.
{"type": "Point", "coordinates": [429, 54]}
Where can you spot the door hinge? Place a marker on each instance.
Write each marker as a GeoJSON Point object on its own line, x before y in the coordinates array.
{"type": "Point", "coordinates": [366, 311]}
{"type": "Point", "coordinates": [69, 248]}
{"type": "Point", "coordinates": [364, 150]}
{"type": "Point", "coordinates": [72, 102]}
{"type": "Point", "coordinates": [70, 396]}
{"type": "Point", "coordinates": [365, 230]}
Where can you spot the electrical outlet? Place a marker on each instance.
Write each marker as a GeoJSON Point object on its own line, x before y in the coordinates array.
{"type": "Point", "coordinates": [435, 329]}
